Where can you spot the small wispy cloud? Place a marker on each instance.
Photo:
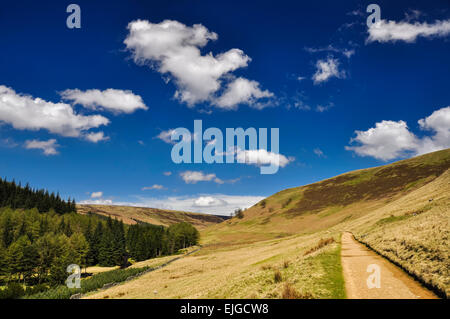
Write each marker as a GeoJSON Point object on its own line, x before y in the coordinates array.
{"type": "Point", "coordinates": [96, 194]}
{"type": "Point", "coordinates": [323, 108]}
{"type": "Point", "coordinates": [330, 48]}
{"type": "Point", "coordinates": [193, 177]}
{"type": "Point", "coordinates": [48, 147]}
{"type": "Point", "coordinates": [96, 137]}
{"type": "Point", "coordinates": [319, 152]}
{"type": "Point", "coordinates": [154, 186]}
{"type": "Point", "coordinates": [8, 142]}
{"type": "Point", "coordinates": [326, 69]}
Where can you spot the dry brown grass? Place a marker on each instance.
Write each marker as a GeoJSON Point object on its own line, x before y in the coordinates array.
{"type": "Point", "coordinates": [322, 243]}
{"type": "Point", "coordinates": [289, 292]}
{"type": "Point", "coordinates": [98, 269]}
{"type": "Point", "coordinates": [130, 215]}
{"type": "Point", "coordinates": [266, 267]}
{"type": "Point", "coordinates": [277, 277]}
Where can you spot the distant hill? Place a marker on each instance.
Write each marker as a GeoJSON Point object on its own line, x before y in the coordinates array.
{"type": "Point", "coordinates": [332, 201]}
{"type": "Point", "coordinates": [132, 215]}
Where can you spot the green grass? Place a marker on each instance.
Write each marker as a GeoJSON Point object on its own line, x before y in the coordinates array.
{"type": "Point", "coordinates": [330, 211]}
{"type": "Point", "coordinates": [360, 177]}
{"type": "Point", "coordinates": [90, 284]}
{"type": "Point", "coordinates": [318, 276]}
{"type": "Point", "coordinates": [392, 219]}
{"type": "Point", "coordinates": [333, 281]}
{"type": "Point", "coordinates": [270, 259]}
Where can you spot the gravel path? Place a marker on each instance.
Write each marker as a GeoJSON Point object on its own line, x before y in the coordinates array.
{"type": "Point", "coordinates": [394, 283]}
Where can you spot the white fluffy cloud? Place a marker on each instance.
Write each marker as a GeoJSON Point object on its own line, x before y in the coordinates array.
{"type": "Point", "coordinates": [242, 91]}
{"type": "Point", "coordinates": [439, 123]}
{"type": "Point", "coordinates": [116, 101]}
{"type": "Point", "coordinates": [262, 157]}
{"type": "Point", "coordinates": [24, 112]}
{"type": "Point", "coordinates": [165, 136]}
{"type": "Point", "coordinates": [218, 204]}
{"type": "Point", "coordinates": [48, 147]}
{"type": "Point", "coordinates": [385, 141]}
{"type": "Point", "coordinates": [326, 69]}
{"type": "Point", "coordinates": [96, 137]}
{"type": "Point", "coordinates": [192, 177]}
{"type": "Point", "coordinates": [389, 139]}
{"type": "Point", "coordinates": [100, 201]}
{"type": "Point", "coordinates": [173, 49]}
{"type": "Point", "coordinates": [96, 194]}
{"type": "Point", "coordinates": [209, 201]}
{"type": "Point", "coordinates": [385, 31]}
{"type": "Point", "coordinates": [154, 186]}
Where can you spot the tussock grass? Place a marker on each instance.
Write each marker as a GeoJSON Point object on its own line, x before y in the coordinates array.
{"type": "Point", "coordinates": [277, 276]}
{"type": "Point", "coordinates": [289, 292]}
{"type": "Point", "coordinates": [266, 267]}
{"type": "Point", "coordinates": [322, 243]}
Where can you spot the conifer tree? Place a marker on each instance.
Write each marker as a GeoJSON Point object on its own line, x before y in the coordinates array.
{"type": "Point", "coordinates": [8, 232]}
{"type": "Point", "coordinates": [94, 245]}
{"type": "Point", "coordinates": [4, 266]}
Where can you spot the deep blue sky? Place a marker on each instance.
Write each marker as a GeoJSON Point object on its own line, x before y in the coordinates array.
{"type": "Point", "coordinates": [40, 57]}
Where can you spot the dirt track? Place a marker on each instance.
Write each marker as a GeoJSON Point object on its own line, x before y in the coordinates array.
{"type": "Point", "coordinates": [394, 283]}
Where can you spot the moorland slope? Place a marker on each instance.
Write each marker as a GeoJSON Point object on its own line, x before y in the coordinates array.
{"type": "Point", "coordinates": [132, 215]}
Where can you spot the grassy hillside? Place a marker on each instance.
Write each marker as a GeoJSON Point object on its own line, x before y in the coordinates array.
{"type": "Point", "coordinates": [132, 215]}
{"type": "Point", "coordinates": [324, 204]}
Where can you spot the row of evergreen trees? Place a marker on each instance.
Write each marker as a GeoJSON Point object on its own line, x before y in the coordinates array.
{"type": "Point", "coordinates": [16, 196]}
{"type": "Point", "coordinates": [107, 246]}
{"type": "Point", "coordinates": [149, 241]}
{"type": "Point", "coordinates": [36, 248]}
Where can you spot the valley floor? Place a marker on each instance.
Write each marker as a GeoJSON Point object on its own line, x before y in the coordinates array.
{"type": "Point", "coordinates": [293, 267]}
